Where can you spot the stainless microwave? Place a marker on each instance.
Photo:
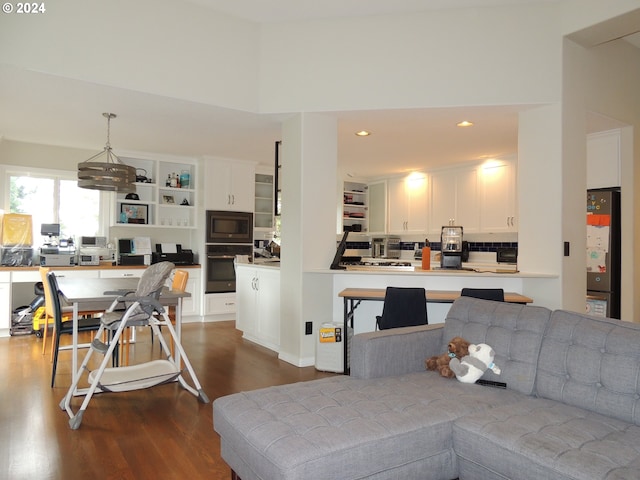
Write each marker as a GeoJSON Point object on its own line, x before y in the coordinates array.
{"type": "Point", "coordinates": [229, 227]}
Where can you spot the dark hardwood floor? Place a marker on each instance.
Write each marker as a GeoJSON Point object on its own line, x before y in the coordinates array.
{"type": "Point", "coordinates": [161, 433]}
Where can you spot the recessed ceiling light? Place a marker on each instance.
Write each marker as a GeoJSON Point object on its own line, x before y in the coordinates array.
{"type": "Point", "coordinates": [465, 123]}
{"type": "Point", "coordinates": [363, 133]}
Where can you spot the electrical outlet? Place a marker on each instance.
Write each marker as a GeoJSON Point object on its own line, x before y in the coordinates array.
{"type": "Point", "coordinates": [308, 328]}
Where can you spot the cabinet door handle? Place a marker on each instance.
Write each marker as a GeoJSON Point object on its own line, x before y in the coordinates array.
{"type": "Point", "coordinates": [257, 284]}
{"type": "Point", "coordinates": [233, 199]}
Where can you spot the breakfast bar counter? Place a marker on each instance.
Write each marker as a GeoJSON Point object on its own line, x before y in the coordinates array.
{"type": "Point", "coordinates": [437, 282]}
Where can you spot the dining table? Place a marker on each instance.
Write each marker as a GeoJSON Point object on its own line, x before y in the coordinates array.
{"type": "Point", "coordinates": [99, 293]}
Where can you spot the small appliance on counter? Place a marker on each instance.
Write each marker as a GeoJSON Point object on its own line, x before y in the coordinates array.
{"type": "Point", "coordinates": [56, 252]}
{"type": "Point", "coordinates": [451, 246]}
{"type": "Point", "coordinates": [94, 250]}
{"type": "Point", "coordinates": [385, 247]}
{"type": "Point", "coordinates": [134, 251]}
{"type": "Point", "coordinates": [172, 252]}
{"type": "Point", "coordinates": [507, 255]}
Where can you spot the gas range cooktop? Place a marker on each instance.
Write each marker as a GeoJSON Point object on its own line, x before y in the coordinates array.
{"type": "Point", "coordinates": [391, 265]}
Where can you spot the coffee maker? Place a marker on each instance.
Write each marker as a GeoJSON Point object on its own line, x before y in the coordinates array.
{"type": "Point", "coordinates": [451, 247]}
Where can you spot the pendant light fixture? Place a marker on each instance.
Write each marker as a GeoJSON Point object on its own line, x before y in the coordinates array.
{"type": "Point", "coordinates": [111, 174]}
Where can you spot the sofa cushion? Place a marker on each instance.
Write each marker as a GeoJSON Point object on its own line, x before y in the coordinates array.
{"type": "Point", "coordinates": [538, 438]}
{"type": "Point", "coordinates": [592, 363]}
{"type": "Point", "coordinates": [348, 428]}
{"type": "Point", "coordinates": [513, 331]}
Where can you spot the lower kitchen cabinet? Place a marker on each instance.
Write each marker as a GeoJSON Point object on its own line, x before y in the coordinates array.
{"type": "Point", "coordinates": [220, 303]}
{"type": "Point", "coordinates": [258, 304]}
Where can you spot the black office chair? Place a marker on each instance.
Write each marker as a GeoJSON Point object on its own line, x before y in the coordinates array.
{"type": "Point", "coordinates": [403, 307]}
{"type": "Point", "coordinates": [495, 294]}
{"type": "Point", "coordinates": [66, 327]}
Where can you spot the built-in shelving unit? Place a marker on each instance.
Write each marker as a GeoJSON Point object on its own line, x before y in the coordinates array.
{"type": "Point", "coordinates": [166, 195]}
{"type": "Point", "coordinates": [355, 207]}
{"type": "Point", "coordinates": [264, 201]}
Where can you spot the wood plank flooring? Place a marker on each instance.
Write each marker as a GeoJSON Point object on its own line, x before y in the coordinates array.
{"type": "Point", "coordinates": [161, 433]}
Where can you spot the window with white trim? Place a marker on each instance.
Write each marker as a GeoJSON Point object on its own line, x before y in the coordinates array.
{"type": "Point", "coordinates": [54, 198]}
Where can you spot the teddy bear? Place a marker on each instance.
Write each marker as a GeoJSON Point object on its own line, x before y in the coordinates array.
{"type": "Point", "coordinates": [473, 366]}
{"type": "Point", "coordinates": [458, 347]}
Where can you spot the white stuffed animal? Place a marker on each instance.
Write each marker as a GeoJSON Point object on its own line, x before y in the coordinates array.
{"type": "Point", "coordinates": [472, 366]}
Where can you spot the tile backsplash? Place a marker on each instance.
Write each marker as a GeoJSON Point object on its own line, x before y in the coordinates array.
{"type": "Point", "coordinates": [473, 246]}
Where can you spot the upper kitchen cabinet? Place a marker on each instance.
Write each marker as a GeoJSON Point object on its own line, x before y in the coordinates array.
{"type": "Point", "coordinates": [378, 208]}
{"type": "Point", "coordinates": [229, 185]}
{"type": "Point", "coordinates": [407, 200]}
{"type": "Point", "coordinates": [165, 194]}
{"type": "Point", "coordinates": [498, 203]}
{"type": "Point", "coordinates": [454, 199]}
{"type": "Point", "coordinates": [603, 159]}
{"type": "Point", "coordinates": [355, 207]}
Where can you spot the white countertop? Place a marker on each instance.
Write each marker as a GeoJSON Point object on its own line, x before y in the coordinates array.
{"type": "Point", "coordinates": [439, 272]}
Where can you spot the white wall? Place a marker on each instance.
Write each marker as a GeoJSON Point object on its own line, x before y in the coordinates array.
{"type": "Point", "coordinates": [440, 58]}
{"type": "Point", "coordinates": [176, 49]}
{"type": "Point", "coordinates": [605, 79]}
{"type": "Point", "coordinates": [309, 165]}
{"type": "Point", "coordinates": [539, 193]}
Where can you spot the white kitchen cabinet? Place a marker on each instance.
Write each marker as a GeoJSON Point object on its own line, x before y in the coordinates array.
{"type": "Point", "coordinates": [122, 273]}
{"type": "Point", "coordinates": [229, 185]}
{"type": "Point", "coordinates": [407, 204]}
{"type": "Point", "coordinates": [454, 199]}
{"type": "Point", "coordinates": [258, 308]}
{"type": "Point", "coordinates": [220, 303]}
{"type": "Point", "coordinates": [378, 208]}
{"type": "Point", "coordinates": [603, 159]}
{"type": "Point", "coordinates": [498, 197]}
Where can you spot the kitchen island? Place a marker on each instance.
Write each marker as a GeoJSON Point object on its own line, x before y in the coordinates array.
{"type": "Point", "coordinates": [433, 280]}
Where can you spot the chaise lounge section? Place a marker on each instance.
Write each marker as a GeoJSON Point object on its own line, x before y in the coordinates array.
{"type": "Point", "coordinates": [570, 410]}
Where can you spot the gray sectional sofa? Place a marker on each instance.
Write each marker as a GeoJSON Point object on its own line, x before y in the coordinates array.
{"type": "Point", "coordinates": [571, 409]}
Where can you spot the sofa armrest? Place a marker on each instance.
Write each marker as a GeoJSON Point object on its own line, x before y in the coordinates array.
{"type": "Point", "coordinates": [395, 351]}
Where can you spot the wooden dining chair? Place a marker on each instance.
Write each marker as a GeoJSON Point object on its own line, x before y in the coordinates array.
{"type": "Point", "coordinates": [179, 284]}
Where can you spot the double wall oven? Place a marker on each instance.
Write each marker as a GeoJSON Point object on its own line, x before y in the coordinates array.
{"type": "Point", "coordinates": [228, 234]}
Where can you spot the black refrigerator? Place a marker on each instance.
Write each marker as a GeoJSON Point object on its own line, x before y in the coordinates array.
{"type": "Point", "coordinates": [603, 252]}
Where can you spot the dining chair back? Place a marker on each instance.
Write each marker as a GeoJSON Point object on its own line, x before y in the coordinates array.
{"type": "Point", "coordinates": [180, 279]}
{"type": "Point", "coordinates": [63, 326]}
{"type": "Point", "coordinates": [495, 294]}
{"type": "Point", "coordinates": [179, 284]}
{"type": "Point", "coordinates": [48, 308]}
{"type": "Point", "coordinates": [403, 307]}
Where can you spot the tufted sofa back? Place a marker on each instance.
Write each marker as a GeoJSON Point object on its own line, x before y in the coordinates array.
{"type": "Point", "coordinates": [513, 331]}
{"type": "Point", "coordinates": [592, 363]}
